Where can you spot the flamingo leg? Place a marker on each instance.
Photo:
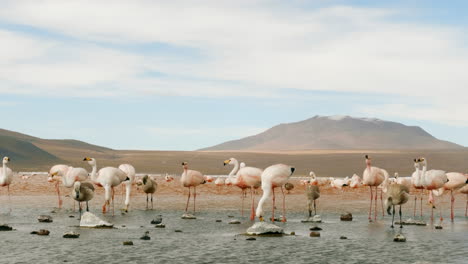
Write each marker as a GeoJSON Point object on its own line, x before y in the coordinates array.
{"type": "Point", "coordinates": [188, 199]}
{"type": "Point", "coordinates": [113, 207]}
{"type": "Point", "coordinates": [147, 201]}
{"type": "Point", "coordinates": [370, 208]}
{"type": "Point", "coordinates": [393, 216]}
{"type": "Point", "coordinates": [420, 206]}
{"type": "Point", "coordinates": [273, 204]}
{"type": "Point", "coordinates": [440, 213]}
{"type": "Point", "coordinates": [242, 208]}
{"type": "Point", "coordinates": [401, 223]}
{"type": "Point", "coordinates": [452, 202]}
{"type": "Point", "coordinates": [284, 206]}
{"type": "Point", "coordinates": [466, 206]}
{"type": "Point", "coordinates": [9, 198]}
{"type": "Point", "coordinates": [315, 209]}
{"type": "Point", "coordinates": [151, 201]}
{"type": "Point", "coordinates": [381, 203]}
{"type": "Point", "coordinates": [87, 206]}
{"type": "Point", "coordinates": [79, 209]}
{"type": "Point", "coordinates": [415, 200]}
{"type": "Point", "coordinates": [57, 188]}
{"type": "Point", "coordinates": [252, 208]}
{"type": "Point", "coordinates": [375, 204]}
{"type": "Point", "coordinates": [194, 197]}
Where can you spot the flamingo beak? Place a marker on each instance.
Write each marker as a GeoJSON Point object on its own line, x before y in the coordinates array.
{"type": "Point", "coordinates": [261, 218]}
{"type": "Point", "coordinates": [86, 159]}
{"type": "Point", "coordinates": [226, 162]}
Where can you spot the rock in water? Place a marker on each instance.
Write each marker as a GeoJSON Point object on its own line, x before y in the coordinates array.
{"type": "Point", "coordinates": [346, 217]}
{"type": "Point", "coordinates": [343, 237]}
{"type": "Point", "coordinates": [263, 228]}
{"type": "Point", "coordinates": [160, 226]}
{"type": "Point", "coordinates": [5, 227]}
{"type": "Point", "coordinates": [438, 227]}
{"type": "Point", "coordinates": [218, 221]}
{"type": "Point", "coordinates": [128, 243]}
{"type": "Point", "coordinates": [399, 238]}
{"type": "Point", "coordinates": [45, 219]}
{"type": "Point", "coordinates": [156, 221]}
{"type": "Point", "coordinates": [314, 234]}
{"type": "Point", "coordinates": [71, 234]}
{"type": "Point", "coordinates": [251, 238]}
{"type": "Point", "coordinates": [90, 220]}
{"type": "Point", "coordinates": [313, 219]}
{"type": "Point", "coordinates": [315, 228]}
{"type": "Point", "coordinates": [188, 216]}
{"type": "Point", "coordinates": [42, 232]}
{"type": "Point", "coordinates": [145, 236]}
{"type": "Point", "coordinates": [234, 222]}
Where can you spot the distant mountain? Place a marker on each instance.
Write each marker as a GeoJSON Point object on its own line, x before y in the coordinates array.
{"type": "Point", "coordinates": [31, 152]}
{"type": "Point", "coordinates": [338, 132]}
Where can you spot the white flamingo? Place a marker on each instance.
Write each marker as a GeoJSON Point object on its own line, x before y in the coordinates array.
{"type": "Point", "coordinates": [373, 177]}
{"type": "Point", "coordinates": [416, 181]}
{"type": "Point", "coordinates": [464, 190]}
{"type": "Point", "coordinates": [319, 181]}
{"type": "Point", "coordinates": [191, 178]}
{"type": "Point", "coordinates": [432, 180]}
{"type": "Point", "coordinates": [273, 177]}
{"type": "Point", "coordinates": [130, 171]}
{"type": "Point", "coordinates": [406, 181]}
{"type": "Point", "coordinates": [55, 174]}
{"type": "Point", "coordinates": [6, 177]}
{"type": "Point", "coordinates": [108, 177]}
{"type": "Point", "coordinates": [355, 182]}
{"type": "Point", "coordinates": [456, 181]}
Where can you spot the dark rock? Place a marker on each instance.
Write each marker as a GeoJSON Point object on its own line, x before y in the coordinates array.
{"type": "Point", "coordinates": [293, 233]}
{"type": "Point", "coordinates": [346, 217]}
{"type": "Point", "coordinates": [71, 216]}
{"type": "Point", "coordinates": [156, 221]}
{"type": "Point", "coordinates": [251, 238]}
{"type": "Point", "coordinates": [71, 234]}
{"type": "Point", "coordinates": [123, 225]}
{"type": "Point", "coordinates": [343, 237]}
{"type": "Point", "coordinates": [45, 219]}
{"type": "Point", "coordinates": [438, 227]}
{"type": "Point", "coordinates": [234, 222]}
{"type": "Point", "coordinates": [315, 228]}
{"type": "Point", "coordinates": [230, 216]}
{"type": "Point", "coordinates": [128, 243]}
{"type": "Point", "coordinates": [145, 236]}
{"type": "Point", "coordinates": [5, 227]}
{"type": "Point", "coordinates": [160, 226]}
{"type": "Point", "coordinates": [178, 231]}
{"type": "Point", "coordinates": [218, 221]}
{"type": "Point", "coordinates": [314, 234]}
{"type": "Point", "coordinates": [41, 232]}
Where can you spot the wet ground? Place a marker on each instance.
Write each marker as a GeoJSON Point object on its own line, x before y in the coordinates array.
{"type": "Point", "coordinates": [206, 241]}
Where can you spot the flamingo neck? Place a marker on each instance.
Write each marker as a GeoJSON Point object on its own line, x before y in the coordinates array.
{"type": "Point", "coordinates": [93, 173]}
{"type": "Point", "coordinates": [234, 170]}
{"type": "Point", "coordinates": [128, 188]}
{"type": "Point", "coordinates": [423, 175]}
{"type": "Point", "coordinates": [4, 170]}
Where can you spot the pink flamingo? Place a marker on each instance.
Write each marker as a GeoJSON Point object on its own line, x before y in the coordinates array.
{"type": "Point", "coordinates": [456, 181]}
{"type": "Point", "coordinates": [246, 177]}
{"type": "Point", "coordinates": [191, 178]}
{"type": "Point", "coordinates": [373, 177]}
{"type": "Point", "coordinates": [355, 182]}
{"type": "Point", "coordinates": [417, 184]}
{"type": "Point", "coordinates": [57, 170]}
{"type": "Point", "coordinates": [432, 180]}
{"type": "Point", "coordinates": [273, 177]}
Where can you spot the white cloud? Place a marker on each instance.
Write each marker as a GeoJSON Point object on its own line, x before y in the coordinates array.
{"type": "Point", "coordinates": [244, 48]}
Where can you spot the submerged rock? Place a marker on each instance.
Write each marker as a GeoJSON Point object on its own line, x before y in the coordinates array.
{"type": "Point", "coordinates": [178, 231]}
{"type": "Point", "coordinates": [251, 238]}
{"type": "Point", "coordinates": [128, 243]}
{"type": "Point", "coordinates": [156, 221]}
{"type": "Point", "coordinates": [314, 234]}
{"type": "Point", "coordinates": [45, 219]}
{"type": "Point", "coordinates": [218, 221]}
{"type": "Point", "coordinates": [346, 217]}
{"type": "Point", "coordinates": [188, 216]}
{"type": "Point", "coordinates": [399, 238]}
{"type": "Point", "coordinates": [41, 232]}
{"type": "Point", "coordinates": [343, 237]}
{"type": "Point", "coordinates": [5, 227]}
{"type": "Point", "coordinates": [263, 228]}
{"type": "Point", "coordinates": [411, 222]}
{"type": "Point", "coordinates": [438, 227]}
{"type": "Point", "coordinates": [71, 234]}
{"type": "Point", "coordinates": [234, 222]}
{"type": "Point", "coordinates": [313, 219]}
{"type": "Point", "coordinates": [160, 226]}
{"type": "Point", "coordinates": [145, 236]}
{"type": "Point", "coordinates": [315, 228]}
{"type": "Point", "coordinates": [293, 233]}
{"type": "Point", "coordinates": [90, 220]}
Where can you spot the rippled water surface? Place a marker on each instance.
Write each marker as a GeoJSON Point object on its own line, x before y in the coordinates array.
{"type": "Point", "coordinates": [205, 241]}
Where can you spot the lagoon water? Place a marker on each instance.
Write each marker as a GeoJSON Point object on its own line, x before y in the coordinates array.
{"type": "Point", "coordinates": [206, 241]}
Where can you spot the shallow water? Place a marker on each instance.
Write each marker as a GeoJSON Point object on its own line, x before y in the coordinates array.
{"type": "Point", "coordinates": [205, 241]}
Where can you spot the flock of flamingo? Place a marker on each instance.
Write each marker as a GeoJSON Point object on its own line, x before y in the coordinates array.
{"type": "Point", "coordinates": [396, 189]}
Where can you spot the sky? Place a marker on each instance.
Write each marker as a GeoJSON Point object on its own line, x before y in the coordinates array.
{"type": "Point", "coordinates": [183, 75]}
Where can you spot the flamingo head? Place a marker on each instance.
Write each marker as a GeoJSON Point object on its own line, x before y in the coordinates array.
{"type": "Point", "coordinates": [242, 164]}
{"type": "Point", "coordinates": [168, 178]}
{"type": "Point", "coordinates": [91, 161]}
{"type": "Point", "coordinates": [185, 165]}
{"type": "Point", "coordinates": [208, 179]}
{"type": "Point", "coordinates": [226, 162]}
{"type": "Point", "coordinates": [52, 174]}
{"type": "Point", "coordinates": [144, 180]}
{"type": "Point", "coordinates": [6, 160]}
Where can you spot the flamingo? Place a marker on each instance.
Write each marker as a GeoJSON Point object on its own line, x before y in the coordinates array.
{"type": "Point", "coordinates": [191, 178]}
{"type": "Point", "coordinates": [355, 181]}
{"type": "Point", "coordinates": [373, 177]}
{"type": "Point", "coordinates": [432, 180]}
{"type": "Point", "coordinates": [246, 177]}
{"type": "Point", "coordinates": [6, 177]}
{"type": "Point", "coordinates": [272, 177]}
{"type": "Point", "coordinates": [219, 181]}
{"type": "Point", "coordinates": [168, 178]}
{"type": "Point", "coordinates": [464, 190]}
{"type": "Point", "coordinates": [320, 181]}
{"type": "Point", "coordinates": [456, 181]}
{"type": "Point", "coordinates": [69, 176]}
{"type": "Point", "coordinates": [149, 187]}
{"type": "Point", "coordinates": [130, 171]}
{"type": "Point", "coordinates": [312, 193]}
{"type": "Point", "coordinates": [209, 178]}
{"type": "Point", "coordinates": [82, 192]}
{"type": "Point", "coordinates": [397, 194]}
{"type": "Point", "coordinates": [107, 177]}
{"type": "Point", "coordinates": [406, 181]}
{"type": "Point", "coordinates": [339, 183]}
{"type": "Point", "coordinates": [57, 170]}
{"type": "Point", "coordinates": [417, 184]}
